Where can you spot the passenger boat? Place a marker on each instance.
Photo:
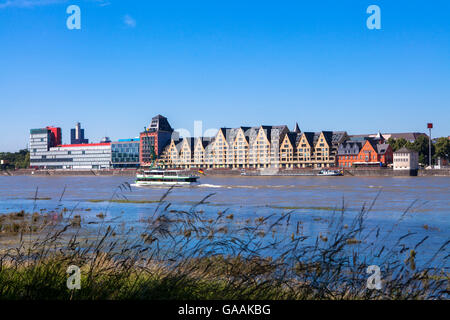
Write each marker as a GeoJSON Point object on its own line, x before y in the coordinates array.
{"type": "Point", "coordinates": [326, 172]}
{"type": "Point", "coordinates": [161, 177]}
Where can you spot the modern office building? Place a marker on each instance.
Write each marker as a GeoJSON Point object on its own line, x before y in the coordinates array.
{"type": "Point", "coordinates": [125, 153]}
{"type": "Point", "coordinates": [47, 153]}
{"type": "Point", "coordinates": [77, 135]}
{"type": "Point", "coordinates": [154, 139]}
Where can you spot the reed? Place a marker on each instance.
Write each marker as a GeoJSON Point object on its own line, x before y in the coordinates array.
{"type": "Point", "coordinates": [182, 255]}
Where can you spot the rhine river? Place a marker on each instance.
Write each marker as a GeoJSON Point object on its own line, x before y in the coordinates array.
{"type": "Point", "coordinates": [312, 201]}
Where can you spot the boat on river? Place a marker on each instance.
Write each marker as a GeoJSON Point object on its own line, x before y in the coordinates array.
{"type": "Point", "coordinates": [162, 177]}
{"type": "Point", "coordinates": [327, 172]}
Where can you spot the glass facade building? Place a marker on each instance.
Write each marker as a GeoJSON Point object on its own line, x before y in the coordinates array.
{"type": "Point", "coordinates": [125, 153]}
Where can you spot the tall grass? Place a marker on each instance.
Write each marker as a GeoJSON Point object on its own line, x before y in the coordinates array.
{"type": "Point", "coordinates": [181, 254]}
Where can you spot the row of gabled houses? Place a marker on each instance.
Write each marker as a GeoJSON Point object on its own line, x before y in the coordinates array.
{"type": "Point", "coordinates": [255, 147]}
{"type": "Point", "coordinates": [268, 147]}
{"type": "Point", "coordinates": [242, 147]}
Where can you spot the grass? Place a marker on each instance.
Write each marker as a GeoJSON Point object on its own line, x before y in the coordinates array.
{"type": "Point", "coordinates": [306, 208]}
{"type": "Point", "coordinates": [180, 255]}
{"type": "Point", "coordinates": [123, 201]}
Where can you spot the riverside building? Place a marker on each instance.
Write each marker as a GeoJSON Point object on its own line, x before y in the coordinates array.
{"type": "Point", "coordinates": [406, 159]}
{"type": "Point", "coordinates": [125, 153]}
{"type": "Point", "coordinates": [47, 152]}
{"type": "Point", "coordinates": [154, 139]}
{"type": "Point", "coordinates": [255, 147]}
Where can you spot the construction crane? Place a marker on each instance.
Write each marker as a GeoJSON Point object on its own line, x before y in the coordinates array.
{"type": "Point", "coordinates": [152, 157]}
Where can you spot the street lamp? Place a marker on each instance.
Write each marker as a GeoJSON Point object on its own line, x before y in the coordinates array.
{"type": "Point", "coordinates": [430, 126]}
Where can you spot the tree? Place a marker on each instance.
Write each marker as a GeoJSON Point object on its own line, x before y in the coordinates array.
{"type": "Point", "coordinates": [442, 147]}
{"type": "Point", "coordinates": [19, 159]}
{"type": "Point", "coordinates": [397, 144]}
{"type": "Point", "coordinates": [421, 146]}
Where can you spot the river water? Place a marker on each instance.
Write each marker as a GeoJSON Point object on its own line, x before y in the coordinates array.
{"type": "Point", "coordinates": [313, 202]}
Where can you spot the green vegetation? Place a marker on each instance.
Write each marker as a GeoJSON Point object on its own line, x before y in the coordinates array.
{"type": "Point", "coordinates": [420, 145]}
{"type": "Point", "coordinates": [15, 160]}
{"type": "Point", "coordinates": [442, 148]}
{"type": "Point", "coordinates": [306, 208]}
{"type": "Point", "coordinates": [123, 201]}
{"type": "Point", "coordinates": [181, 256]}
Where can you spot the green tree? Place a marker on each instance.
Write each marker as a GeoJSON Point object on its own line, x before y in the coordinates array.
{"type": "Point", "coordinates": [442, 147]}
{"type": "Point", "coordinates": [19, 159]}
{"type": "Point", "coordinates": [397, 144]}
{"type": "Point", "coordinates": [421, 146]}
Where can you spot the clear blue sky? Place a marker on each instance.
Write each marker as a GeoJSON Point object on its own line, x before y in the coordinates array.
{"type": "Point", "coordinates": [227, 63]}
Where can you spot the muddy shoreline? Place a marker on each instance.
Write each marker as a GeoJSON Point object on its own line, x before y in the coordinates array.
{"type": "Point", "coordinates": [366, 172]}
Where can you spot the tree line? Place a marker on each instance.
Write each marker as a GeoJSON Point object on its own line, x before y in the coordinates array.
{"type": "Point", "coordinates": [439, 149]}
{"type": "Point", "coordinates": [15, 160]}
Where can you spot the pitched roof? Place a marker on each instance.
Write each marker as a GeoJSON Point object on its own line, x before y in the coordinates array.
{"type": "Point", "coordinates": [338, 137]}
{"type": "Point", "coordinates": [178, 145]}
{"type": "Point", "coordinates": [292, 136]}
{"type": "Point", "coordinates": [350, 147]}
{"type": "Point", "coordinates": [381, 148]}
{"type": "Point", "coordinates": [191, 142]}
{"type": "Point", "coordinates": [160, 123]}
{"type": "Point", "coordinates": [379, 136]}
{"type": "Point", "coordinates": [405, 150]}
{"type": "Point", "coordinates": [310, 137]}
{"type": "Point", "coordinates": [409, 136]}
{"type": "Point", "coordinates": [204, 140]}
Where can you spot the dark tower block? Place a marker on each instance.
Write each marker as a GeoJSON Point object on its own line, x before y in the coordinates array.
{"type": "Point", "coordinates": [155, 138]}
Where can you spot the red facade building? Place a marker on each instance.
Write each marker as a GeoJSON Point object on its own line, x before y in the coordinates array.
{"type": "Point", "coordinates": [367, 152]}
{"type": "Point", "coordinates": [154, 139]}
{"type": "Point", "coordinates": [55, 136]}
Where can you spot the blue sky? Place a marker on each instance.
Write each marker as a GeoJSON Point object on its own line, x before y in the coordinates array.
{"type": "Point", "coordinates": [227, 63]}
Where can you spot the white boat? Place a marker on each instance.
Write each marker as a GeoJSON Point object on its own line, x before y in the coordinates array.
{"type": "Point", "coordinates": [326, 172]}
{"type": "Point", "coordinates": [161, 177]}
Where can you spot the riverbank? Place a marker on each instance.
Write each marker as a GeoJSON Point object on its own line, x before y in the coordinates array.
{"type": "Point", "coordinates": [356, 172]}
{"type": "Point", "coordinates": [202, 262]}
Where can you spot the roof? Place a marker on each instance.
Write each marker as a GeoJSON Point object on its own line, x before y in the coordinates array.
{"type": "Point", "coordinates": [205, 140]}
{"type": "Point", "coordinates": [38, 131]}
{"type": "Point", "coordinates": [381, 148]}
{"type": "Point", "coordinates": [338, 136]}
{"type": "Point", "coordinates": [350, 147]}
{"type": "Point", "coordinates": [379, 136]}
{"type": "Point", "coordinates": [84, 145]}
{"type": "Point", "coordinates": [191, 142]}
{"type": "Point", "coordinates": [292, 136]}
{"type": "Point", "coordinates": [409, 136]}
{"type": "Point", "coordinates": [178, 145]}
{"type": "Point", "coordinates": [129, 140]}
{"type": "Point", "coordinates": [160, 123]}
{"type": "Point", "coordinates": [309, 137]}
{"type": "Point", "coordinates": [405, 150]}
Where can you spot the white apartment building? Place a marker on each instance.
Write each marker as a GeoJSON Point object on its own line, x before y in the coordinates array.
{"type": "Point", "coordinates": [406, 159]}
